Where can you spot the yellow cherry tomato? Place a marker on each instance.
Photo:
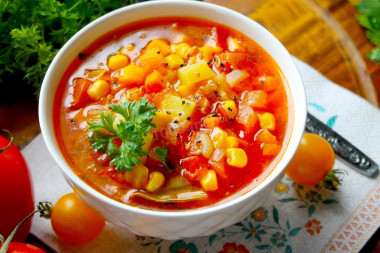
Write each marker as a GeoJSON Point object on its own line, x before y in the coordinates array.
{"type": "Point", "coordinates": [314, 158]}
{"type": "Point", "coordinates": [75, 222]}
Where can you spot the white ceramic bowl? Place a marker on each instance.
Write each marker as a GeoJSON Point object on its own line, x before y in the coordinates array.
{"type": "Point", "coordinates": [173, 224]}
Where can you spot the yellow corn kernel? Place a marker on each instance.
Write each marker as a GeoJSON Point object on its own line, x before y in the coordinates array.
{"type": "Point", "coordinates": [131, 75]}
{"type": "Point", "coordinates": [207, 52]}
{"type": "Point", "coordinates": [171, 76]}
{"type": "Point", "coordinates": [138, 177]}
{"type": "Point", "coordinates": [209, 182]}
{"type": "Point", "coordinates": [151, 54]}
{"type": "Point", "coordinates": [230, 142]}
{"type": "Point", "coordinates": [98, 89]}
{"type": "Point", "coordinates": [161, 119]}
{"type": "Point", "coordinates": [174, 61]}
{"type": "Point", "coordinates": [147, 142]}
{"type": "Point", "coordinates": [118, 61]}
{"type": "Point", "coordinates": [156, 180]}
{"type": "Point", "coordinates": [267, 121]}
{"type": "Point", "coordinates": [218, 136]}
{"type": "Point", "coordinates": [182, 49]}
{"type": "Point", "coordinates": [236, 157]}
{"type": "Point", "coordinates": [230, 108]}
{"type": "Point", "coordinates": [163, 45]}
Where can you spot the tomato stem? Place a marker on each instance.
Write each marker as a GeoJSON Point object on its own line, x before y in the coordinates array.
{"type": "Point", "coordinates": [44, 208]}
{"type": "Point", "coordinates": [10, 138]}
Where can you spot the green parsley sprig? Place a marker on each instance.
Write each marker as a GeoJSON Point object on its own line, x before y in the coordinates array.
{"type": "Point", "coordinates": [161, 154]}
{"type": "Point", "coordinates": [136, 123]}
{"type": "Point", "coordinates": [32, 32]}
{"type": "Point", "coordinates": [370, 19]}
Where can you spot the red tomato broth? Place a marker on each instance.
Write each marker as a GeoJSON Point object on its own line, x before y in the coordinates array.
{"type": "Point", "coordinates": [93, 167]}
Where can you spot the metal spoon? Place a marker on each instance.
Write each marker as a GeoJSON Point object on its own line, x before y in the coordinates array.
{"type": "Point", "coordinates": [359, 161]}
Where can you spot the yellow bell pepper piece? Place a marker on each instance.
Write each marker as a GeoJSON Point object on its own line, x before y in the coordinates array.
{"type": "Point", "coordinates": [194, 73]}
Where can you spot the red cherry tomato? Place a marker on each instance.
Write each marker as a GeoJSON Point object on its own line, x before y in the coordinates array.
{"type": "Point", "coordinates": [15, 192]}
{"type": "Point", "coordinates": [75, 222]}
{"type": "Point", "coordinates": [314, 158]}
{"type": "Point", "coordinates": [19, 247]}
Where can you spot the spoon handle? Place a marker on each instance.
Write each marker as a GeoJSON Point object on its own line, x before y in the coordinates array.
{"type": "Point", "coordinates": [359, 161]}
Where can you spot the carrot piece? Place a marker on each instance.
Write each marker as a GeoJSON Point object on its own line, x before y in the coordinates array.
{"type": "Point", "coordinates": [271, 83]}
{"type": "Point", "coordinates": [265, 136]}
{"type": "Point", "coordinates": [80, 96]}
{"type": "Point", "coordinates": [211, 122]}
{"type": "Point", "coordinates": [271, 149]}
{"type": "Point", "coordinates": [154, 82]}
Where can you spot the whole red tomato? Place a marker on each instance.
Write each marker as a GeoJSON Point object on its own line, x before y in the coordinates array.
{"type": "Point", "coordinates": [15, 192]}
{"type": "Point", "coordinates": [17, 247]}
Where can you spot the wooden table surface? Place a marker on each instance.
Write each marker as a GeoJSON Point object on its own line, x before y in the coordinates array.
{"type": "Point", "coordinates": [322, 33]}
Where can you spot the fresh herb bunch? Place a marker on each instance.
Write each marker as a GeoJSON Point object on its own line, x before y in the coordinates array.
{"type": "Point", "coordinates": [130, 131]}
{"type": "Point", "coordinates": [370, 19]}
{"type": "Point", "coordinates": [32, 32]}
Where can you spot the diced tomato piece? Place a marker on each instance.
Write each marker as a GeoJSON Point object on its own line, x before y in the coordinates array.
{"type": "Point", "coordinates": [154, 82]}
{"type": "Point", "coordinates": [80, 96]}
{"type": "Point", "coordinates": [193, 168]}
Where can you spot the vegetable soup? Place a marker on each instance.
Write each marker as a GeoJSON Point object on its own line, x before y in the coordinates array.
{"type": "Point", "coordinates": [172, 113]}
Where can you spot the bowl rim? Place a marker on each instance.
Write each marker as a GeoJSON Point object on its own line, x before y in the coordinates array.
{"type": "Point", "coordinates": [46, 121]}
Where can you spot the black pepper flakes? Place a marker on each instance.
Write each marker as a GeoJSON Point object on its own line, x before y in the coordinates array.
{"type": "Point", "coordinates": [198, 141]}
{"type": "Point", "coordinates": [183, 102]}
{"type": "Point", "coordinates": [73, 121]}
{"type": "Point", "coordinates": [82, 56]}
{"type": "Point", "coordinates": [230, 109]}
{"type": "Point", "coordinates": [168, 112]}
{"type": "Point", "coordinates": [175, 121]}
{"type": "Point", "coordinates": [188, 118]}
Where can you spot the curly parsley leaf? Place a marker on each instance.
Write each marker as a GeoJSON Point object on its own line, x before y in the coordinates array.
{"type": "Point", "coordinates": [369, 18]}
{"type": "Point", "coordinates": [129, 133]}
{"type": "Point", "coordinates": [161, 154]}
{"type": "Point", "coordinates": [32, 32]}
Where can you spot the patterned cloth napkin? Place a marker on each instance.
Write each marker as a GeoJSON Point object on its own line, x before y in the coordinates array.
{"type": "Point", "coordinates": [291, 220]}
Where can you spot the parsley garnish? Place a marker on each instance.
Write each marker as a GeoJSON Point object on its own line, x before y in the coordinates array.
{"type": "Point", "coordinates": [32, 32]}
{"type": "Point", "coordinates": [370, 19]}
{"type": "Point", "coordinates": [131, 132]}
{"type": "Point", "coordinates": [162, 153]}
